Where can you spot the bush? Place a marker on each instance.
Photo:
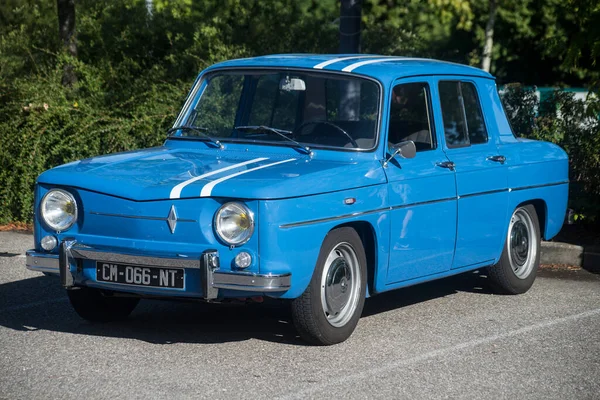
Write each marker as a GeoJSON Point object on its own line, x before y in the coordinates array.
{"type": "Point", "coordinates": [134, 69]}
{"type": "Point", "coordinates": [44, 125]}
{"type": "Point", "coordinates": [572, 124]}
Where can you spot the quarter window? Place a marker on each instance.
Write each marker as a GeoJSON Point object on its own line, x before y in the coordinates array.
{"type": "Point", "coordinates": [463, 120]}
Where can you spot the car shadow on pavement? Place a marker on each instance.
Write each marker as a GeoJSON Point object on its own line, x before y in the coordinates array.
{"type": "Point", "coordinates": [41, 304]}
{"type": "Point", "coordinates": [472, 282]}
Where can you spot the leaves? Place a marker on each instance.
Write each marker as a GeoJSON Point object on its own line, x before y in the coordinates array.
{"type": "Point", "coordinates": [134, 68]}
{"type": "Point", "coordinates": [573, 124]}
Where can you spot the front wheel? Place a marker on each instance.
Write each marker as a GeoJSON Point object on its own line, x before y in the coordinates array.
{"type": "Point", "coordinates": [330, 307]}
{"type": "Point", "coordinates": [92, 305]}
{"type": "Point", "coordinates": [517, 268]}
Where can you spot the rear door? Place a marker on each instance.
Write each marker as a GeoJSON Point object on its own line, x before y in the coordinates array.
{"type": "Point", "coordinates": [422, 194]}
{"type": "Point", "coordinates": [481, 173]}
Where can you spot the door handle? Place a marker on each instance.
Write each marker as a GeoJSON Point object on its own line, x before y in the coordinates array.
{"type": "Point", "coordinates": [447, 164]}
{"type": "Point", "coordinates": [500, 159]}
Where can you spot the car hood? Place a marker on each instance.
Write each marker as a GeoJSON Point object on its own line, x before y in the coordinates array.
{"type": "Point", "coordinates": [167, 173]}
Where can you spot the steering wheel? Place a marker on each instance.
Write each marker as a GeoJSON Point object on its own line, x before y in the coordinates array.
{"type": "Point", "coordinates": [337, 129]}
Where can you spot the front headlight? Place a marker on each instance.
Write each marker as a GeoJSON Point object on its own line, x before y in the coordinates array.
{"type": "Point", "coordinates": [234, 223]}
{"type": "Point", "coordinates": [59, 209]}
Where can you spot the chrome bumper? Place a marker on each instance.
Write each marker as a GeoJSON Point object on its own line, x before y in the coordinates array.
{"type": "Point", "coordinates": [213, 278]}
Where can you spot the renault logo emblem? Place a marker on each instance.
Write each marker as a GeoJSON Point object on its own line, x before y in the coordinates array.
{"type": "Point", "coordinates": [172, 219]}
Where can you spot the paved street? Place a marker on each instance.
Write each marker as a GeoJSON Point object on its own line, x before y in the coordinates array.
{"type": "Point", "coordinates": [447, 339]}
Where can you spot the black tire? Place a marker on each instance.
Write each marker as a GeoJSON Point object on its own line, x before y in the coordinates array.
{"type": "Point", "coordinates": [92, 305]}
{"type": "Point", "coordinates": [346, 272]}
{"type": "Point", "coordinates": [517, 268]}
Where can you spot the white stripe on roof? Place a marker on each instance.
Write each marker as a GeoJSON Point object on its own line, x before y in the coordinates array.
{"type": "Point", "coordinates": [176, 192]}
{"type": "Point", "coordinates": [352, 67]}
{"type": "Point", "coordinates": [334, 60]}
{"type": "Point", "coordinates": [207, 189]}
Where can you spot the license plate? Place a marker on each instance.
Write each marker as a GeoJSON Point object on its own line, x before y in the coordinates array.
{"type": "Point", "coordinates": [139, 275]}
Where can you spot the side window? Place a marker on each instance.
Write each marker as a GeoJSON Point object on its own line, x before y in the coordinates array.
{"type": "Point", "coordinates": [461, 112]}
{"type": "Point", "coordinates": [455, 128]}
{"type": "Point", "coordinates": [410, 116]}
{"type": "Point", "coordinates": [475, 123]}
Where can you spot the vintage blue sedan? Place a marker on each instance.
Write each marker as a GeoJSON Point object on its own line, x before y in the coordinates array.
{"type": "Point", "coordinates": [322, 179]}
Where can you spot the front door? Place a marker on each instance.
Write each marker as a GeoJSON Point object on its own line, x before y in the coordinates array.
{"type": "Point", "coordinates": [422, 194]}
{"type": "Point", "coordinates": [481, 175]}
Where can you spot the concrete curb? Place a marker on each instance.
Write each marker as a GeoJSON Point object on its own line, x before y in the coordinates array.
{"type": "Point", "coordinates": [570, 254]}
{"type": "Point", "coordinates": [561, 253]}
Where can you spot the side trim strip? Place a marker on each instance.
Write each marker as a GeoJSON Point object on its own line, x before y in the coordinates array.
{"type": "Point", "coordinates": [356, 214]}
{"type": "Point", "coordinates": [538, 186]}
{"type": "Point", "coordinates": [422, 203]}
{"type": "Point", "coordinates": [328, 219]}
{"type": "Point", "coordinates": [483, 193]}
{"type": "Point", "coordinates": [207, 189]}
{"type": "Point", "coordinates": [176, 192]}
{"type": "Point", "coordinates": [333, 61]}
{"type": "Point", "coordinates": [352, 67]}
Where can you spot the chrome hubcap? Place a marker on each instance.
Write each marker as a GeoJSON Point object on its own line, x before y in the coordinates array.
{"type": "Point", "coordinates": [340, 285]}
{"type": "Point", "coordinates": [522, 244]}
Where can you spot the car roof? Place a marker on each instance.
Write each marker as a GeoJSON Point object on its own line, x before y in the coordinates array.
{"type": "Point", "coordinates": [383, 68]}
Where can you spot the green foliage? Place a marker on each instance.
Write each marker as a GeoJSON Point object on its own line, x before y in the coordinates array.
{"type": "Point", "coordinates": [135, 67]}
{"type": "Point", "coordinates": [572, 124]}
{"type": "Point", "coordinates": [56, 126]}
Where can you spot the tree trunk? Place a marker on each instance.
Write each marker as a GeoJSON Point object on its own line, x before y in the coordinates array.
{"type": "Point", "coordinates": [150, 7]}
{"type": "Point", "coordinates": [66, 30]}
{"type": "Point", "coordinates": [350, 15]}
{"type": "Point", "coordinates": [486, 59]}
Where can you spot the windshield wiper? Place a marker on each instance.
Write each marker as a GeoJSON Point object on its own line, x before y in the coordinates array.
{"type": "Point", "coordinates": [197, 129]}
{"type": "Point", "coordinates": [279, 132]}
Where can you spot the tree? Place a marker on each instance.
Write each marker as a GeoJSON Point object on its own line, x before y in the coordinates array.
{"type": "Point", "coordinates": [486, 57]}
{"type": "Point", "coordinates": [583, 45]}
{"type": "Point", "coordinates": [66, 29]}
{"type": "Point", "coordinates": [350, 21]}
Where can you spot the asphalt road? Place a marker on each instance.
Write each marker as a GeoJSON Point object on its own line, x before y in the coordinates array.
{"type": "Point", "coordinates": [447, 339]}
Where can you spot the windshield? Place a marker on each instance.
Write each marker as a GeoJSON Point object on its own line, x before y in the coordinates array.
{"type": "Point", "coordinates": [314, 109]}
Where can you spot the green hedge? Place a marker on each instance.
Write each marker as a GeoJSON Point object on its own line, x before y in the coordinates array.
{"type": "Point", "coordinates": [44, 125]}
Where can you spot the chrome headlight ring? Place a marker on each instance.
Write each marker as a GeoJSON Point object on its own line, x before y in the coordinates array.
{"type": "Point", "coordinates": [58, 210]}
{"type": "Point", "coordinates": [234, 223]}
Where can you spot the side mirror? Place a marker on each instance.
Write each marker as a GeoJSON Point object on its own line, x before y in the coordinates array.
{"type": "Point", "coordinates": [406, 149]}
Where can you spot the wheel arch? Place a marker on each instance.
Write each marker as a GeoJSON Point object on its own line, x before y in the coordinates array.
{"type": "Point", "coordinates": [541, 210]}
{"type": "Point", "coordinates": [368, 237]}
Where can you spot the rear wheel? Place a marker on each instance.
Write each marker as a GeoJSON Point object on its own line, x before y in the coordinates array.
{"type": "Point", "coordinates": [330, 307]}
{"type": "Point", "coordinates": [517, 268]}
{"type": "Point", "coordinates": [92, 305]}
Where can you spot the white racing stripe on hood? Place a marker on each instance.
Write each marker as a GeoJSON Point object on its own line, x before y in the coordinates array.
{"type": "Point", "coordinates": [176, 191]}
{"type": "Point", "coordinates": [207, 189]}
{"type": "Point", "coordinates": [333, 61]}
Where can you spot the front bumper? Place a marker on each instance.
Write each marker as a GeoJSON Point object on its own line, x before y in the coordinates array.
{"type": "Point", "coordinates": [212, 276]}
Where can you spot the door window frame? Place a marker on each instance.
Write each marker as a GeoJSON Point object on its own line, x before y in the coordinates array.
{"type": "Point", "coordinates": [430, 92]}
{"type": "Point", "coordinates": [464, 114]}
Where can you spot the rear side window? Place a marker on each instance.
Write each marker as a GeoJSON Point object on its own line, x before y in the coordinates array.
{"type": "Point", "coordinates": [461, 111]}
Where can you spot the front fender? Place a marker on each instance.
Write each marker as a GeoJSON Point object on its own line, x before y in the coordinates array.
{"type": "Point", "coordinates": [291, 231]}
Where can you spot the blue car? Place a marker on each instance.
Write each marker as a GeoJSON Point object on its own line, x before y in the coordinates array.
{"type": "Point", "coordinates": [321, 179]}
